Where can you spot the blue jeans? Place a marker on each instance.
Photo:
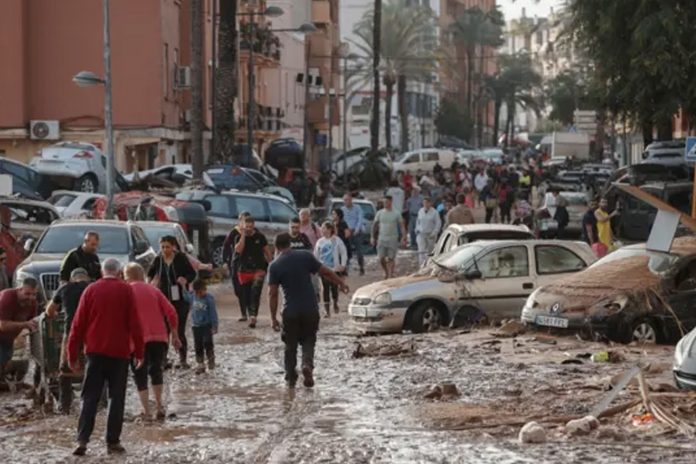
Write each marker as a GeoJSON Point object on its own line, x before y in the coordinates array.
{"type": "Point", "coordinates": [355, 242]}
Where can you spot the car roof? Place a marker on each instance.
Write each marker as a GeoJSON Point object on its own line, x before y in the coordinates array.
{"type": "Point", "coordinates": [169, 224]}
{"type": "Point", "coordinates": [472, 228]}
{"type": "Point", "coordinates": [681, 246]}
{"type": "Point", "coordinates": [41, 203]}
{"type": "Point", "coordinates": [90, 222]}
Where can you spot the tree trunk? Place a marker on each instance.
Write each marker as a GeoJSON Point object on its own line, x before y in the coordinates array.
{"type": "Point", "coordinates": [647, 128]}
{"type": "Point", "coordinates": [496, 120]}
{"type": "Point", "coordinates": [664, 128]}
{"type": "Point", "coordinates": [470, 52]}
{"type": "Point", "coordinates": [482, 103]}
{"type": "Point", "coordinates": [403, 111]}
{"type": "Point", "coordinates": [376, 49]}
{"type": "Point", "coordinates": [197, 88]}
{"type": "Point", "coordinates": [225, 84]}
{"type": "Point", "coordinates": [389, 84]}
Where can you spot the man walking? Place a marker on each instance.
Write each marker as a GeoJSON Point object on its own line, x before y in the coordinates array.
{"type": "Point", "coordinates": [427, 228]}
{"type": "Point", "coordinates": [106, 322]}
{"type": "Point", "coordinates": [292, 271]}
{"type": "Point", "coordinates": [385, 235]}
{"type": "Point", "coordinates": [84, 256]}
{"type": "Point", "coordinates": [460, 214]}
{"type": "Point", "coordinates": [17, 310]}
{"type": "Point", "coordinates": [413, 206]}
{"type": "Point", "coordinates": [254, 256]}
{"type": "Point", "coordinates": [353, 215]}
{"type": "Point", "coordinates": [480, 182]}
{"type": "Point", "coordinates": [298, 240]}
{"type": "Point", "coordinates": [231, 259]}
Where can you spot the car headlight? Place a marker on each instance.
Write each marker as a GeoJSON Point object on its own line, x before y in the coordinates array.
{"type": "Point", "coordinates": [383, 299]}
{"type": "Point", "coordinates": [20, 276]}
{"type": "Point", "coordinates": [531, 300]}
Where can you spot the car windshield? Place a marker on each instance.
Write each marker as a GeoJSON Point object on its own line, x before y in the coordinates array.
{"type": "Point", "coordinates": [154, 233]}
{"type": "Point", "coordinates": [458, 258]}
{"type": "Point", "coordinates": [61, 200]}
{"type": "Point", "coordinates": [226, 178]}
{"type": "Point", "coordinates": [657, 261]}
{"type": "Point", "coordinates": [62, 239]}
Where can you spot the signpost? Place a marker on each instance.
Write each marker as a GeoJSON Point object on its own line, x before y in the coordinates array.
{"type": "Point", "coordinates": [690, 155]}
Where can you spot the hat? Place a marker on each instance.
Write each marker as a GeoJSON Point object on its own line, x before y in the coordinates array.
{"type": "Point", "coordinates": [78, 272]}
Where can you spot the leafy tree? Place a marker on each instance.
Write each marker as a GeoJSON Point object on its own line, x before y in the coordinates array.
{"type": "Point", "coordinates": [452, 120]}
{"type": "Point", "coordinates": [226, 83]}
{"type": "Point", "coordinates": [565, 93]}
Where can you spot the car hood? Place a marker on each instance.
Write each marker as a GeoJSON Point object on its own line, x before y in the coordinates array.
{"type": "Point", "coordinates": [614, 281]}
{"type": "Point", "coordinates": [411, 283]}
{"type": "Point", "coordinates": [50, 262]}
{"type": "Point", "coordinates": [685, 354]}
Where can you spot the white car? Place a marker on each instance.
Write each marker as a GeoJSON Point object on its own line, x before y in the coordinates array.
{"type": "Point", "coordinates": [424, 159]}
{"type": "Point", "coordinates": [183, 170]}
{"type": "Point", "coordinates": [478, 281]}
{"type": "Point", "coordinates": [74, 205]}
{"type": "Point", "coordinates": [685, 362]}
{"type": "Point", "coordinates": [77, 165]}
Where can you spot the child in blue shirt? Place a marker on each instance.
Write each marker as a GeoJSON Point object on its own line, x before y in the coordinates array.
{"type": "Point", "coordinates": [204, 320]}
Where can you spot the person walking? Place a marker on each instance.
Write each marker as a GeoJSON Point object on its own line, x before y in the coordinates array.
{"type": "Point", "coordinates": [505, 200]}
{"type": "Point", "coordinates": [561, 215]}
{"type": "Point", "coordinates": [480, 182]}
{"type": "Point", "coordinates": [298, 240]}
{"type": "Point", "coordinates": [308, 227]}
{"type": "Point", "coordinates": [230, 258]}
{"type": "Point", "coordinates": [331, 252]}
{"type": "Point", "coordinates": [157, 318]}
{"type": "Point", "coordinates": [354, 217]}
{"type": "Point", "coordinates": [342, 232]}
{"type": "Point", "coordinates": [589, 224]}
{"type": "Point", "coordinates": [172, 272]}
{"type": "Point", "coordinates": [291, 271]}
{"type": "Point", "coordinates": [254, 256]}
{"type": "Point", "coordinates": [604, 217]}
{"type": "Point", "coordinates": [18, 308]}
{"type": "Point", "coordinates": [84, 256]}
{"type": "Point", "coordinates": [66, 299]}
{"type": "Point", "coordinates": [413, 206]}
{"type": "Point", "coordinates": [385, 235]}
{"type": "Point", "coordinates": [427, 229]}
{"type": "Point", "coordinates": [489, 199]}
{"type": "Point", "coordinates": [105, 324]}
{"type": "Point", "coordinates": [204, 319]}
{"type": "Point", "coordinates": [460, 214]}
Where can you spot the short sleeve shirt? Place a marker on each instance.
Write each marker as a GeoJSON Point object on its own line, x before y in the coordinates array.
{"type": "Point", "coordinates": [253, 259]}
{"type": "Point", "coordinates": [10, 310]}
{"type": "Point", "coordinates": [388, 226]}
{"type": "Point", "coordinates": [301, 242]}
{"type": "Point", "coordinates": [292, 271]}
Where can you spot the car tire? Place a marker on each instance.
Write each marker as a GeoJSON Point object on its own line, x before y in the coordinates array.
{"type": "Point", "coordinates": [216, 252]}
{"type": "Point", "coordinates": [87, 183]}
{"type": "Point", "coordinates": [644, 331]}
{"type": "Point", "coordinates": [425, 317]}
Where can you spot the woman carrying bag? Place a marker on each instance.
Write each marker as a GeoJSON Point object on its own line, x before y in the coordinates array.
{"type": "Point", "coordinates": [172, 273]}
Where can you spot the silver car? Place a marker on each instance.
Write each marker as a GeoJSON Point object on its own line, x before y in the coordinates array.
{"type": "Point", "coordinates": [81, 165]}
{"type": "Point", "coordinates": [685, 362]}
{"type": "Point", "coordinates": [478, 281]}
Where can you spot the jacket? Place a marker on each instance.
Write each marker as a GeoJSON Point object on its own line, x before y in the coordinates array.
{"type": "Point", "coordinates": [203, 311]}
{"type": "Point", "coordinates": [155, 312]}
{"type": "Point", "coordinates": [339, 251]}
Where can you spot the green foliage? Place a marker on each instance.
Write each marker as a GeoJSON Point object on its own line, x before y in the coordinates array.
{"type": "Point", "coordinates": [452, 120]}
{"type": "Point", "coordinates": [565, 93]}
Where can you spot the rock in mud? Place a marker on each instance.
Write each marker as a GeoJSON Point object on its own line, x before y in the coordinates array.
{"type": "Point", "coordinates": [510, 329]}
{"type": "Point", "coordinates": [582, 426]}
{"type": "Point", "coordinates": [393, 349]}
{"type": "Point", "coordinates": [532, 432]}
{"type": "Point", "coordinates": [442, 391]}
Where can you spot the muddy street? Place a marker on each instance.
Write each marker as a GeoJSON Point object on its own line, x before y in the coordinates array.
{"type": "Point", "coordinates": [371, 409]}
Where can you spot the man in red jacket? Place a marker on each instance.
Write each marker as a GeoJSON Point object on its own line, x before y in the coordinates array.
{"type": "Point", "coordinates": [105, 323]}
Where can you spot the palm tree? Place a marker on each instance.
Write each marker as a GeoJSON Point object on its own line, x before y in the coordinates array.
{"type": "Point", "coordinates": [197, 88]}
{"type": "Point", "coordinates": [226, 83]}
{"type": "Point", "coordinates": [376, 47]}
{"type": "Point", "coordinates": [408, 51]}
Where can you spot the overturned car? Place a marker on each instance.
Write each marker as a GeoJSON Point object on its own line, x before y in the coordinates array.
{"type": "Point", "coordinates": [633, 294]}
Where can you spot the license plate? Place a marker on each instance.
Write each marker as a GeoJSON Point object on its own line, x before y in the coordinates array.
{"type": "Point", "coordinates": [359, 312]}
{"type": "Point", "coordinates": [552, 321]}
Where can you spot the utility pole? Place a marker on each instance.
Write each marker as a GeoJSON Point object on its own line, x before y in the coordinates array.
{"type": "Point", "coordinates": [376, 49]}
{"type": "Point", "coordinates": [197, 88]}
{"type": "Point", "coordinates": [305, 130]}
{"type": "Point", "coordinates": [108, 120]}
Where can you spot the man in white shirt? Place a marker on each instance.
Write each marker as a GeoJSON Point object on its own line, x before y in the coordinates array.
{"type": "Point", "coordinates": [427, 228]}
{"type": "Point", "coordinates": [480, 181]}
{"type": "Point", "coordinates": [398, 196]}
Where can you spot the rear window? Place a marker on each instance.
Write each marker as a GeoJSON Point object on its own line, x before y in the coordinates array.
{"type": "Point", "coordinates": [112, 240]}
{"type": "Point", "coordinates": [62, 200]}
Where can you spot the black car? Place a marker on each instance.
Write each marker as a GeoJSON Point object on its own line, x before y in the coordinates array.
{"type": "Point", "coordinates": [125, 241]}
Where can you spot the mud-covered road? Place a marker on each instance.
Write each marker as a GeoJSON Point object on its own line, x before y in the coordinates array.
{"type": "Point", "coordinates": [371, 409]}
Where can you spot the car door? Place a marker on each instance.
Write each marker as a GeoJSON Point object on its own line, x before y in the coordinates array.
{"type": "Point", "coordinates": [222, 215]}
{"type": "Point", "coordinates": [281, 214]}
{"type": "Point", "coordinates": [506, 282]}
{"type": "Point", "coordinates": [554, 261]}
{"type": "Point", "coordinates": [256, 206]}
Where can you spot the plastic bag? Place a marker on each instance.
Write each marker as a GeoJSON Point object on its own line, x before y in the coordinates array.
{"type": "Point", "coordinates": [600, 250]}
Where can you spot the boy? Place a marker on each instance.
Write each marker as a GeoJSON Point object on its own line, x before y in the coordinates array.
{"type": "Point", "coordinates": [204, 319]}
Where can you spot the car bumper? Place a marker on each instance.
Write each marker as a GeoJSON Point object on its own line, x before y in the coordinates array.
{"type": "Point", "coordinates": [377, 318]}
{"type": "Point", "coordinates": [685, 380]}
{"type": "Point", "coordinates": [59, 168]}
{"type": "Point", "coordinates": [548, 320]}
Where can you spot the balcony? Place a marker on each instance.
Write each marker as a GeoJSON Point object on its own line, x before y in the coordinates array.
{"type": "Point", "coordinates": [321, 11]}
{"type": "Point", "coordinates": [265, 43]}
{"type": "Point", "coordinates": [267, 119]}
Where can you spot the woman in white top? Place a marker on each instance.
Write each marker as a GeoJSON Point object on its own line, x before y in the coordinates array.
{"type": "Point", "coordinates": [332, 253]}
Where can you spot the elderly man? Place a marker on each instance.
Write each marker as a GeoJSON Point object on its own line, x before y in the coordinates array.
{"type": "Point", "coordinates": [105, 324]}
{"type": "Point", "coordinates": [308, 227]}
{"type": "Point", "coordinates": [427, 228]}
{"type": "Point", "coordinates": [84, 256]}
{"type": "Point", "coordinates": [353, 215]}
{"type": "Point", "coordinates": [17, 310]}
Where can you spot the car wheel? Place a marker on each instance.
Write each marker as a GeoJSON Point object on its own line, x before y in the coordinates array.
{"type": "Point", "coordinates": [216, 253]}
{"type": "Point", "coordinates": [425, 317]}
{"type": "Point", "coordinates": [644, 332]}
{"type": "Point", "coordinates": [87, 183]}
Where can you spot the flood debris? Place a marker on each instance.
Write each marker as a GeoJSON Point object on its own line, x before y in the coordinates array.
{"type": "Point", "coordinates": [445, 391]}
{"type": "Point", "coordinates": [532, 432]}
{"type": "Point", "coordinates": [583, 426]}
{"type": "Point", "coordinates": [510, 329]}
{"type": "Point", "coordinates": [377, 350]}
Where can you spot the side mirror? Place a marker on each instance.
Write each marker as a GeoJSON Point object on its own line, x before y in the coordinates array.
{"type": "Point", "coordinates": [141, 247]}
{"type": "Point", "coordinates": [29, 245]}
{"type": "Point", "coordinates": [473, 274]}
{"type": "Point", "coordinates": [189, 249]}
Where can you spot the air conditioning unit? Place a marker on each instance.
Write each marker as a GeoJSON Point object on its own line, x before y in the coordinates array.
{"type": "Point", "coordinates": [187, 116]}
{"type": "Point", "coordinates": [183, 77]}
{"type": "Point", "coordinates": [44, 130]}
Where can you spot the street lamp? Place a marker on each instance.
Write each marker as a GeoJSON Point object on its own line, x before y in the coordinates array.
{"type": "Point", "coordinates": [90, 79]}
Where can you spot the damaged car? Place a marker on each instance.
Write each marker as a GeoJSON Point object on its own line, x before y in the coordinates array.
{"type": "Point", "coordinates": [632, 294]}
{"type": "Point", "coordinates": [685, 362]}
{"type": "Point", "coordinates": [478, 281]}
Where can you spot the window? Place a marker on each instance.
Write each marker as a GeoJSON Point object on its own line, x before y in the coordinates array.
{"type": "Point", "coordinates": [431, 156]}
{"type": "Point", "coordinates": [16, 170]}
{"type": "Point", "coordinates": [62, 239]}
{"type": "Point", "coordinates": [137, 235]}
{"type": "Point", "coordinates": [219, 205]}
{"type": "Point", "coordinates": [253, 206]}
{"type": "Point", "coordinates": [446, 243]}
{"type": "Point", "coordinates": [505, 262]}
{"type": "Point", "coordinates": [280, 212]}
{"type": "Point", "coordinates": [557, 260]}
{"type": "Point", "coordinates": [414, 158]}
{"type": "Point", "coordinates": [62, 200]}
{"type": "Point", "coordinates": [89, 204]}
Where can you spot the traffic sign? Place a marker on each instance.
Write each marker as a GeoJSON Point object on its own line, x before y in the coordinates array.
{"type": "Point", "coordinates": [691, 148]}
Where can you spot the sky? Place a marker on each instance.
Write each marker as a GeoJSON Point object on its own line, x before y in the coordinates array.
{"type": "Point", "coordinates": [513, 9]}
